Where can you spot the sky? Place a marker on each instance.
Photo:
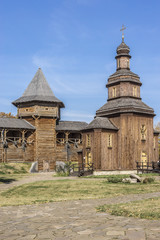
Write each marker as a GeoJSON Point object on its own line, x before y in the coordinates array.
{"type": "Point", "coordinates": [74, 42]}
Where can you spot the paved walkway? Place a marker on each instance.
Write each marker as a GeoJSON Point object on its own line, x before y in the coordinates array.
{"type": "Point", "coordinates": [76, 220]}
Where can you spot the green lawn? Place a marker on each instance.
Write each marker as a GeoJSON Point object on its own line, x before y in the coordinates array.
{"type": "Point", "coordinates": [14, 168]}
{"type": "Point", "coordinates": [60, 190]}
{"type": "Point", "coordinates": [147, 209]}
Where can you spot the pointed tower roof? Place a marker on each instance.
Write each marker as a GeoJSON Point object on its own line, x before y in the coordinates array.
{"type": "Point", "coordinates": [38, 91]}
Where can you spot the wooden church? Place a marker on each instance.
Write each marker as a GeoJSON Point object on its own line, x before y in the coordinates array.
{"type": "Point", "coordinates": [120, 135]}
{"type": "Point", "coordinates": [122, 132]}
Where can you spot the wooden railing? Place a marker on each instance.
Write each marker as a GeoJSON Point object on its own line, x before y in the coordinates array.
{"type": "Point", "coordinates": [82, 169]}
{"type": "Point", "coordinates": [70, 141]}
{"type": "Point", "coordinates": [148, 167]}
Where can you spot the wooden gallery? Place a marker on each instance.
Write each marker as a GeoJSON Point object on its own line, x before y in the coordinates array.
{"type": "Point", "coordinates": [120, 135]}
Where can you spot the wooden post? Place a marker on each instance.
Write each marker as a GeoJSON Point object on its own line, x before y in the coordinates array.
{"type": "Point", "coordinates": [36, 138]}
{"type": "Point", "coordinates": [66, 140]}
{"type": "Point", "coordinates": [5, 149]}
{"type": "Point", "coordinates": [23, 140]}
{"type": "Point", "coordinates": [66, 136]}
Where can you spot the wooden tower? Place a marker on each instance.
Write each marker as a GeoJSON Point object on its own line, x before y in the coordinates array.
{"type": "Point", "coordinates": [39, 106]}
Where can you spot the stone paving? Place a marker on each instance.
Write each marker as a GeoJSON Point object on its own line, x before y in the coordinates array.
{"type": "Point", "coordinates": [76, 220]}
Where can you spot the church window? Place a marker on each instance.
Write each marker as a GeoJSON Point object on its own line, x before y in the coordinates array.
{"type": "Point", "coordinates": [114, 92]}
{"type": "Point", "coordinates": [109, 141]}
{"type": "Point", "coordinates": [88, 140]}
{"type": "Point", "coordinates": [135, 91]}
{"type": "Point", "coordinates": [143, 133]}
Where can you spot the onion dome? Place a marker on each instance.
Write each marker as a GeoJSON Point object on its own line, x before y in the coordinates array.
{"type": "Point", "coordinates": [123, 50]}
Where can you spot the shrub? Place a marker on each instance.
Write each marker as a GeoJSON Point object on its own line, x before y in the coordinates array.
{"type": "Point", "coordinates": [115, 179]}
{"type": "Point", "coordinates": [148, 180]}
{"type": "Point", "coordinates": [65, 170]}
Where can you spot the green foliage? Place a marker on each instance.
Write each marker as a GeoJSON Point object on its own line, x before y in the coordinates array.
{"type": "Point", "coordinates": [64, 171]}
{"type": "Point", "coordinates": [148, 180]}
{"type": "Point", "coordinates": [114, 180]}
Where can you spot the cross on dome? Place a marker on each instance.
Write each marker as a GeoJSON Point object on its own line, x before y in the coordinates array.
{"type": "Point", "coordinates": [122, 30]}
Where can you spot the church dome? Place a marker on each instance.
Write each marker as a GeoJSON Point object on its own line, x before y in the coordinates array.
{"type": "Point", "coordinates": [123, 50]}
{"type": "Point", "coordinates": [123, 47]}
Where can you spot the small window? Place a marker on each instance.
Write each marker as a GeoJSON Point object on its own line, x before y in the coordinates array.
{"type": "Point", "coordinates": [127, 63]}
{"type": "Point", "coordinates": [88, 140]}
{"type": "Point", "coordinates": [114, 92]}
{"type": "Point", "coordinates": [143, 133]}
{"type": "Point", "coordinates": [135, 91]}
{"type": "Point", "coordinates": [46, 109]}
{"type": "Point", "coordinates": [109, 140]}
{"type": "Point", "coordinates": [26, 109]}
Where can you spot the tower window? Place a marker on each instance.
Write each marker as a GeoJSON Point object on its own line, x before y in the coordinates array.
{"type": "Point", "coordinates": [114, 92]}
{"type": "Point", "coordinates": [143, 133]}
{"type": "Point", "coordinates": [135, 91]}
{"type": "Point", "coordinates": [109, 141]}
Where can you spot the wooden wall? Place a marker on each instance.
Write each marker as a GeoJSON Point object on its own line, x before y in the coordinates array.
{"type": "Point", "coordinates": [61, 153]}
{"type": "Point", "coordinates": [109, 159]}
{"type": "Point", "coordinates": [130, 145]}
{"type": "Point", "coordinates": [45, 143]}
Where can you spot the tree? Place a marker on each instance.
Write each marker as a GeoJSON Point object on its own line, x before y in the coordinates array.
{"type": "Point", "coordinates": [9, 115]}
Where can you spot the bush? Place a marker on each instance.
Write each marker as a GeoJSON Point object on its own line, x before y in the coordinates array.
{"type": "Point", "coordinates": [148, 180]}
{"type": "Point", "coordinates": [115, 179]}
{"type": "Point", "coordinates": [65, 170]}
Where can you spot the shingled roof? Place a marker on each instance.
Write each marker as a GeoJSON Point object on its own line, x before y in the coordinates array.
{"type": "Point", "coordinates": [14, 123]}
{"type": "Point", "coordinates": [101, 123]}
{"type": "Point", "coordinates": [123, 72]}
{"type": "Point", "coordinates": [124, 105]}
{"type": "Point", "coordinates": [38, 90]}
{"type": "Point", "coordinates": [70, 126]}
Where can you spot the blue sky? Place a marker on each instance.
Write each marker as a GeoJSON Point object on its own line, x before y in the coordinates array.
{"type": "Point", "coordinates": [74, 42]}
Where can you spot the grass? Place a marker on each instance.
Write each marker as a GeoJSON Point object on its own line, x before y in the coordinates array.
{"type": "Point", "coordinates": [10, 172]}
{"type": "Point", "coordinates": [14, 168]}
{"type": "Point", "coordinates": [145, 209]}
{"type": "Point", "coordinates": [60, 190]}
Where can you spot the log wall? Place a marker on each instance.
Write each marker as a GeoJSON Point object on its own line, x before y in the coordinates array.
{"type": "Point", "coordinates": [45, 143]}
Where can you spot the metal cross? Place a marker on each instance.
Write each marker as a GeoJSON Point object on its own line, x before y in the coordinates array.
{"type": "Point", "coordinates": [122, 29]}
